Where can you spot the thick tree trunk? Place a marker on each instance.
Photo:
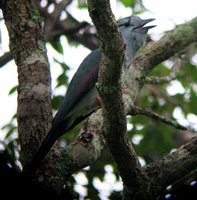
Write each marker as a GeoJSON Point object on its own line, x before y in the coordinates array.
{"type": "Point", "coordinates": [34, 112]}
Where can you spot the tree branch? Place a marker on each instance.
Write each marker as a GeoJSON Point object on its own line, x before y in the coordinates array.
{"type": "Point", "coordinates": [186, 180]}
{"type": "Point", "coordinates": [135, 110]}
{"type": "Point", "coordinates": [109, 87]}
{"type": "Point", "coordinates": [34, 112]}
{"type": "Point", "coordinates": [59, 8]}
{"type": "Point", "coordinates": [85, 149]}
{"type": "Point", "coordinates": [172, 167]}
{"type": "Point", "coordinates": [52, 18]}
{"type": "Point", "coordinates": [71, 30]}
{"type": "Point", "coordinates": [5, 58]}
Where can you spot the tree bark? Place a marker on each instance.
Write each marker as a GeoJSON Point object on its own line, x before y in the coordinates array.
{"type": "Point", "coordinates": [109, 87]}
{"type": "Point", "coordinates": [172, 167]}
{"type": "Point", "coordinates": [26, 43]}
{"type": "Point", "coordinates": [34, 111]}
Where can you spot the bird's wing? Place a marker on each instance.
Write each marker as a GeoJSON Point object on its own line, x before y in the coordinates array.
{"type": "Point", "coordinates": [82, 82]}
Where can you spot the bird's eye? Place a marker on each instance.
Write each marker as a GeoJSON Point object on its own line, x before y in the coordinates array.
{"type": "Point", "coordinates": [127, 24]}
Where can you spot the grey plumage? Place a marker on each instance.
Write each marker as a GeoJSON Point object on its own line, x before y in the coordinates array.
{"type": "Point", "coordinates": [81, 97]}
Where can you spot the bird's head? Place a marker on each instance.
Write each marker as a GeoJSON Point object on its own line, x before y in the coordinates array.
{"type": "Point", "coordinates": [134, 27]}
{"type": "Point", "coordinates": [135, 22]}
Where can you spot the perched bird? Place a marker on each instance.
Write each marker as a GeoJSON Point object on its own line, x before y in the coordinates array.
{"type": "Point", "coordinates": [81, 97]}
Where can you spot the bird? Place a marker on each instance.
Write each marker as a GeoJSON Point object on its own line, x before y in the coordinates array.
{"type": "Point", "coordinates": [81, 98]}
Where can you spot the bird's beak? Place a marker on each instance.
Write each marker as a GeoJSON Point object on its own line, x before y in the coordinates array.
{"type": "Point", "coordinates": [144, 22]}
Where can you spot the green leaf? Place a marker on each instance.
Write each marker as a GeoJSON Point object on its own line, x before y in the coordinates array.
{"type": "Point", "coordinates": [128, 3]}
{"type": "Point", "coordinates": [160, 70]}
{"type": "Point", "coordinates": [57, 101]}
{"type": "Point", "coordinates": [56, 44]}
{"type": "Point", "coordinates": [10, 128]}
{"type": "Point", "coordinates": [82, 4]}
{"type": "Point", "coordinates": [72, 43]}
{"type": "Point", "coordinates": [13, 90]}
{"type": "Point", "coordinates": [62, 80]}
{"type": "Point", "coordinates": [64, 66]}
{"type": "Point", "coordinates": [188, 75]}
{"type": "Point", "coordinates": [10, 132]}
{"type": "Point", "coordinates": [192, 102]}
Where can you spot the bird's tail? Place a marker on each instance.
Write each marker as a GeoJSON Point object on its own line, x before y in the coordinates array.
{"type": "Point", "coordinates": [41, 153]}
{"type": "Point", "coordinates": [52, 136]}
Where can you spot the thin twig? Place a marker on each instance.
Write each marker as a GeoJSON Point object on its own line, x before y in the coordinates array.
{"type": "Point", "coordinates": [5, 58]}
{"type": "Point", "coordinates": [135, 110]}
{"type": "Point", "coordinates": [59, 8]}
{"type": "Point", "coordinates": [55, 15]}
